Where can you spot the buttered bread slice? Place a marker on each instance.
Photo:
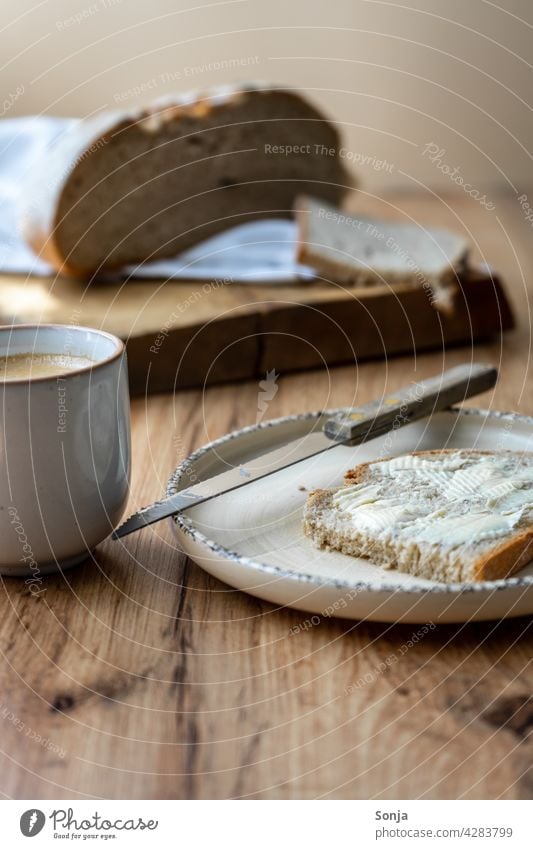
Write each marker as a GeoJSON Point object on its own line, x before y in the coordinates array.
{"type": "Point", "coordinates": [449, 516]}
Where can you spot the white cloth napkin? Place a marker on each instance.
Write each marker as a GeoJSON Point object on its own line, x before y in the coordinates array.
{"type": "Point", "coordinates": [259, 252]}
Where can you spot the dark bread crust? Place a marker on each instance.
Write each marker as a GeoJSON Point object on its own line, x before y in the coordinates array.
{"type": "Point", "coordinates": [47, 221]}
{"type": "Point", "coordinates": [505, 560]}
{"type": "Point", "coordinates": [500, 562]}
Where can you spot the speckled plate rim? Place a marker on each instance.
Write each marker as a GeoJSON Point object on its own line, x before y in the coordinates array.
{"type": "Point", "coordinates": [183, 523]}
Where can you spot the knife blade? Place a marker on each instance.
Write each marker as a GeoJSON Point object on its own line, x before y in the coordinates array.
{"type": "Point", "coordinates": [351, 426]}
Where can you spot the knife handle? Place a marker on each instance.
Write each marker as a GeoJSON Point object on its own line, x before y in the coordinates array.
{"type": "Point", "coordinates": [410, 403]}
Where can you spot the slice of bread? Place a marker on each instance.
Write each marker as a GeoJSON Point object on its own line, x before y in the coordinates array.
{"type": "Point", "coordinates": [360, 251]}
{"type": "Point", "coordinates": [127, 187]}
{"type": "Point", "coordinates": [449, 516]}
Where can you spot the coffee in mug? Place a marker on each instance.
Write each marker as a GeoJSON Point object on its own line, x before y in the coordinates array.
{"type": "Point", "coordinates": [65, 459]}
{"type": "Point", "coordinates": [32, 365]}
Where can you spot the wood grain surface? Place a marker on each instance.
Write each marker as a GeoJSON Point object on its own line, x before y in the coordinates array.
{"type": "Point", "coordinates": [139, 676]}
{"type": "Point", "coordinates": [197, 333]}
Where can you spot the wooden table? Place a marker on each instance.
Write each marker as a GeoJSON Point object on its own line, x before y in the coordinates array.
{"type": "Point", "coordinates": [146, 678]}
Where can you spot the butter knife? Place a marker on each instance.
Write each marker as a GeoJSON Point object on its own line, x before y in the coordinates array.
{"type": "Point", "coordinates": [351, 426]}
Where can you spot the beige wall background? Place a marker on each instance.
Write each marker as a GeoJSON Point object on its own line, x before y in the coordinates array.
{"type": "Point", "coordinates": [395, 76]}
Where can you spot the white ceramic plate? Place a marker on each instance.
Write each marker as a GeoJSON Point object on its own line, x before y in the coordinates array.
{"type": "Point", "coordinates": [252, 538]}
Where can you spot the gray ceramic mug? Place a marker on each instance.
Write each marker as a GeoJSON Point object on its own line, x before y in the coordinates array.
{"type": "Point", "coordinates": [65, 452]}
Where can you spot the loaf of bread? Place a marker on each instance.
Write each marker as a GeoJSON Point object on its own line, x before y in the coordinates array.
{"type": "Point", "coordinates": [448, 516]}
{"type": "Point", "coordinates": [123, 188]}
{"type": "Point", "coordinates": [359, 251]}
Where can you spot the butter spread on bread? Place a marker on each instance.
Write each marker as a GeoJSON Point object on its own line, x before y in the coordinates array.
{"type": "Point", "coordinates": [454, 515]}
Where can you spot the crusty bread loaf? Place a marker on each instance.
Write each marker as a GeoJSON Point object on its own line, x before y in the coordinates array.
{"type": "Point", "coordinates": [127, 187]}
{"type": "Point", "coordinates": [448, 516]}
{"type": "Point", "coordinates": [361, 251]}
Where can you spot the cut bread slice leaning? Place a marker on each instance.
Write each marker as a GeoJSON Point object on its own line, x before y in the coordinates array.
{"type": "Point", "coordinates": [447, 516]}
{"type": "Point", "coordinates": [361, 251]}
{"type": "Point", "coordinates": [125, 187]}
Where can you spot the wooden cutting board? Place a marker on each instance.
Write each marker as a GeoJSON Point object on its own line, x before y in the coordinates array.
{"type": "Point", "coordinates": [181, 334]}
